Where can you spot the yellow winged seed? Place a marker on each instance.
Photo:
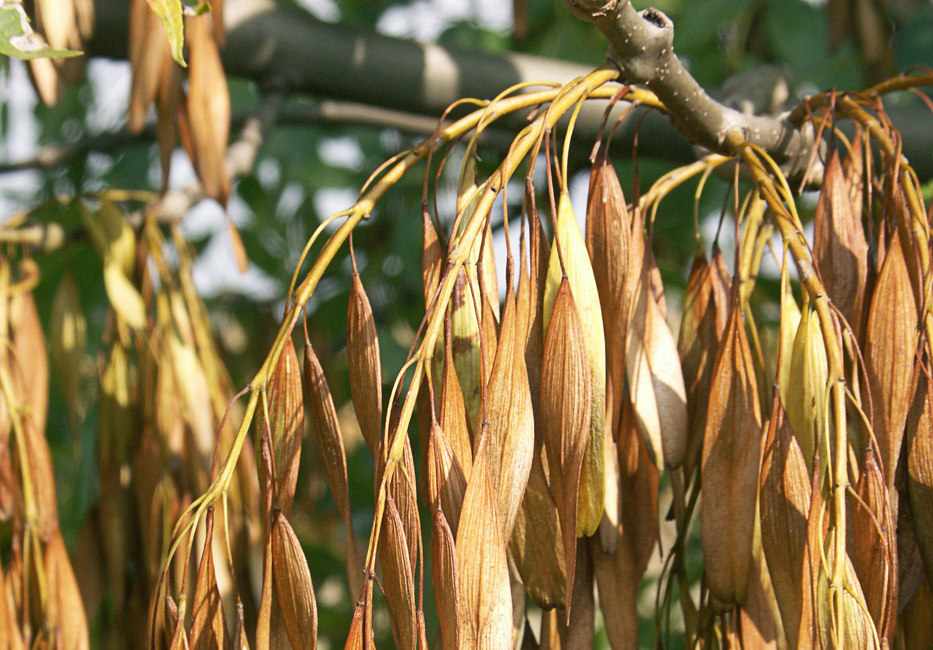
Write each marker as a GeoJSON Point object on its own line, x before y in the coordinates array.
{"type": "Point", "coordinates": [890, 345]}
{"type": "Point", "coordinates": [511, 422]}
{"type": "Point", "coordinates": [783, 506]}
{"type": "Point", "coordinates": [485, 600]}
{"type": "Point", "coordinates": [729, 473]}
{"type": "Point", "coordinates": [364, 365]}
{"type": "Point", "coordinates": [582, 283]}
{"type": "Point", "coordinates": [807, 390]}
{"type": "Point", "coordinates": [453, 413]}
{"type": "Point", "coordinates": [294, 591]}
{"type": "Point", "coordinates": [656, 382]}
{"type": "Point", "coordinates": [465, 337]}
{"type": "Point", "coordinates": [565, 413]}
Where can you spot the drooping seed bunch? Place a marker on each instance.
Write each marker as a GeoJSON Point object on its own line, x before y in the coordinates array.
{"type": "Point", "coordinates": [553, 422]}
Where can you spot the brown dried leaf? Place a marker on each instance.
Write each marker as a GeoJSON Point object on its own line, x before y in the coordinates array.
{"type": "Point", "coordinates": [364, 365]}
{"type": "Point", "coordinates": [580, 280]}
{"type": "Point", "coordinates": [294, 591]}
{"type": "Point", "coordinates": [444, 573]}
{"type": "Point", "coordinates": [511, 422]}
{"type": "Point", "coordinates": [729, 474]}
{"type": "Point", "coordinates": [208, 629]}
{"type": "Point", "coordinates": [208, 109]}
{"type": "Point", "coordinates": [485, 600]}
{"type": "Point", "coordinates": [784, 505]}
{"type": "Point", "coordinates": [566, 398]}
{"type": "Point", "coordinates": [890, 345]}
{"type": "Point", "coordinates": [839, 246]}
{"type": "Point", "coordinates": [286, 425]}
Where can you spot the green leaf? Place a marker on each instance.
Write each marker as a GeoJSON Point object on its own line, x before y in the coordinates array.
{"type": "Point", "coordinates": [170, 13]}
{"type": "Point", "coordinates": [17, 38]}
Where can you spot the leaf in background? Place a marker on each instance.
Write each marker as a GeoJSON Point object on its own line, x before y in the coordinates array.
{"type": "Point", "coordinates": [67, 338]}
{"type": "Point", "coordinates": [17, 38]}
{"type": "Point", "coordinates": [170, 13]}
{"type": "Point", "coordinates": [729, 473]}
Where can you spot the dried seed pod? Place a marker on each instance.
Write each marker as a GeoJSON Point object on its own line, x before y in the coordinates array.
{"type": "Point", "coordinates": [208, 629]}
{"type": "Point", "coordinates": [207, 111]}
{"type": "Point", "coordinates": [890, 346]}
{"type": "Point", "coordinates": [706, 309]}
{"type": "Point", "coordinates": [446, 481]}
{"type": "Point", "coordinates": [398, 578]}
{"type": "Point", "coordinates": [566, 396]}
{"type": "Point", "coordinates": [285, 424]}
{"type": "Point", "coordinates": [784, 504]}
{"type": "Point", "coordinates": [920, 468]}
{"type": "Point", "coordinates": [574, 261]}
{"type": "Point", "coordinates": [364, 365]}
{"type": "Point", "coordinates": [445, 580]}
{"type": "Point", "coordinates": [729, 474]}
{"type": "Point", "coordinates": [453, 413]}
{"type": "Point", "coordinates": [536, 542]}
{"type": "Point", "coordinates": [485, 600]}
{"type": "Point", "coordinates": [465, 344]}
{"type": "Point", "coordinates": [608, 228]}
{"type": "Point", "coordinates": [656, 383]}
{"type": "Point", "coordinates": [432, 258]}
{"type": "Point", "coordinates": [511, 422]}
{"type": "Point", "coordinates": [360, 636]}
{"type": "Point", "coordinates": [294, 591]}
{"type": "Point", "coordinates": [807, 391]}
{"type": "Point", "coordinates": [839, 246]}
{"type": "Point", "coordinates": [874, 548]}
{"type": "Point", "coordinates": [326, 430]}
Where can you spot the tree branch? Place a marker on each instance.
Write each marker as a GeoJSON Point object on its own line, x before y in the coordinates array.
{"type": "Point", "coordinates": [642, 46]}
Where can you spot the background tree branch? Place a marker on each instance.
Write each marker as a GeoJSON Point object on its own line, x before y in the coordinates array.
{"type": "Point", "coordinates": [285, 47]}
